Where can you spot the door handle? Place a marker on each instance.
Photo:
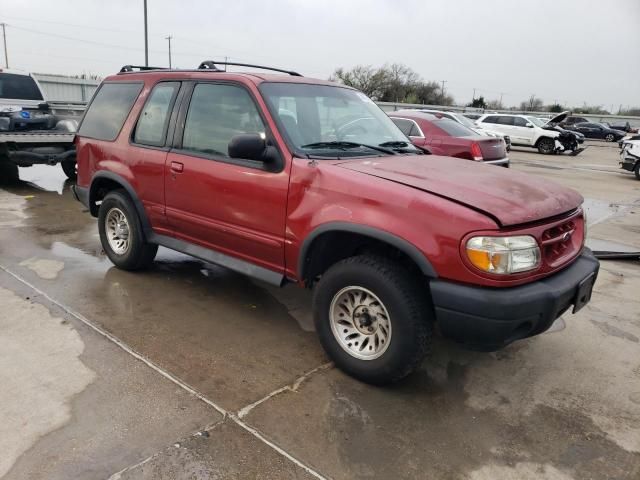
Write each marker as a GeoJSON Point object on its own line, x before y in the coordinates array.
{"type": "Point", "coordinates": [177, 167]}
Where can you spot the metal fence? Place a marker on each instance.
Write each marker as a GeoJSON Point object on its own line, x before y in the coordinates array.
{"type": "Point", "coordinates": [60, 88]}
{"type": "Point", "coordinates": [390, 107]}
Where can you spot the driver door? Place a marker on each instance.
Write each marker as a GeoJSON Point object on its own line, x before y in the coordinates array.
{"type": "Point", "coordinates": [234, 206]}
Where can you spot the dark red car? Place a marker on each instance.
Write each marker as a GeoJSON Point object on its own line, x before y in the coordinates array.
{"type": "Point", "coordinates": [442, 136]}
{"type": "Point", "coordinates": [291, 179]}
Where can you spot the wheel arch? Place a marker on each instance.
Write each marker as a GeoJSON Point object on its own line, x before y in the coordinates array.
{"type": "Point", "coordinates": [316, 256]}
{"type": "Point", "coordinates": [104, 182]}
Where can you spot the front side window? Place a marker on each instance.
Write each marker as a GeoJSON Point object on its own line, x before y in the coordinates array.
{"type": "Point", "coordinates": [332, 121]}
{"type": "Point", "coordinates": [108, 110]}
{"type": "Point", "coordinates": [490, 119]}
{"type": "Point", "coordinates": [519, 122]}
{"type": "Point", "coordinates": [217, 113]}
{"type": "Point", "coordinates": [153, 121]}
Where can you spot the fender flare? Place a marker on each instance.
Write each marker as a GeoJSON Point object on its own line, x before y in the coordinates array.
{"type": "Point", "coordinates": [114, 177]}
{"type": "Point", "coordinates": [401, 244]}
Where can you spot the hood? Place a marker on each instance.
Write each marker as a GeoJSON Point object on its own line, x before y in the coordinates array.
{"type": "Point", "coordinates": [558, 118]}
{"type": "Point", "coordinates": [509, 197]}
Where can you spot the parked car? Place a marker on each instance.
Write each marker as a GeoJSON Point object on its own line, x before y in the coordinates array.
{"type": "Point", "coordinates": [622, 126]}
{"type": "Point", "coordinates": [472, 115]}
{"type": "Point", "coordinates": [597, 130]}
{"type": "Point", "coordinates": [573, 119]}
{"type": "Point", "coordinates": [443, 136]}
{"type": "Point", "coordinates": [31, 130]}
{"type": "Point", "coordinates": [522, 131]}
{"type": "Point", "coordinates": [570, 140]}
{"type": "Point", "coordinates": [630, 156]}
{"type": "Point", "coordinates": [461, 119]}
{"type": "Point", "coordinates": [270, 175]}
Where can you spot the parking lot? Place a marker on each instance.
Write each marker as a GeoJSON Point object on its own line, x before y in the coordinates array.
{"type": "Point", "coordinates": [192, 371]}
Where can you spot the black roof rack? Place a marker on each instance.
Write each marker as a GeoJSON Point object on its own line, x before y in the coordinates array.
{"type": "Point", "coordinates": [130, 68]}
{"type": "Point", "coordinates": [211, 65]}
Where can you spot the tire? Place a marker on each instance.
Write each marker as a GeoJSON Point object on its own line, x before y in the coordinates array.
{"type": "Point", "coordinates": [546, 146]}
{"type": "Point", "coordinates": [119, 221]}
{"type": "Point", "coordinates": [610, 137]}
{"type": "Point", "coordinates": [69, 169]}
{"type": "Point", "coordinates": [401, 315]}
{"type": "Point", "coordinates": [637, 170]}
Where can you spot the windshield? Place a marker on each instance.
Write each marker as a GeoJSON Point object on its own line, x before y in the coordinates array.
{"type": "Point", "coordinates": [536, 121]}
{"type": "Point", "coordinates": [333, 121]}
{"type": "Point", "coordinates": [19, 87]}
{"type": "Point", "coordinates": [464, 121]}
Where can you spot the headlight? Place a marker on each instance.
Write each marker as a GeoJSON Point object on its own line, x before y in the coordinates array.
{"type": "Point", "coordinates": [504, 255]}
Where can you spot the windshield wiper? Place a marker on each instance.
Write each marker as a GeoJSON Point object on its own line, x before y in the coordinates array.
{"type": "Point", "coordinates": [346, 145]}
{"type": "Point", "coordinates": [400, 146]}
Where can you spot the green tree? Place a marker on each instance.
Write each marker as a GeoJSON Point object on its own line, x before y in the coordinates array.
{"type": "Point", "coordinates": [478, 103]}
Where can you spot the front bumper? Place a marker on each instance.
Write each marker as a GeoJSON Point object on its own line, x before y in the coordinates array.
{"type": "Point", "coordinates": [491, 318]}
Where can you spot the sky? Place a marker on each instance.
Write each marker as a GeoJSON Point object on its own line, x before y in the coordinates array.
{"type": "Point", "coordinates": [569, 51]}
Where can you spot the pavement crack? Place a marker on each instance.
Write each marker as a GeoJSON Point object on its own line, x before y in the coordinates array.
{"type": "Point", "coordinates": [293, 387]}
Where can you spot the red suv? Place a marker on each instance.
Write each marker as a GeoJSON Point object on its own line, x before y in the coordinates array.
{"type": "Point", "coordinates": [290, 179]}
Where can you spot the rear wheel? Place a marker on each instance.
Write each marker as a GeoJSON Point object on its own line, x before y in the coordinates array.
{"type": "Point", "coordinates": [69, 168]}
{"type": "Point", "coordinates": [372, 318]}
{"type": "Point", "coordinates": [546, 146]}
{"type": "Point", "coordinates": [609, 137]}
{"type": "Point", "coordinates": [121, 233]}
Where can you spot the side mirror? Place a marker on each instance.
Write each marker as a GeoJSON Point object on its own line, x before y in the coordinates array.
{"type": "Point", "coordinates": [250, 146]}
{"type": "Point", "coordinates": [529, 125]}
{"type": "Point", "coordinates": [253, 146]}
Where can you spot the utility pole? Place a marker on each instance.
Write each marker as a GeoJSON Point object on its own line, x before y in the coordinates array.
{"type": "Point", "coordinates": [226, 59]}
{"type": "Point", "coordinates": [4, 39]}
{"type": "Point", "coordinates": [169, 37]}
{"type": "Point", "coordinates": [146, 37]}
{"type": "Point", "coordinates": [474, 96]}
{"type": "Point", "coordinates": [501, 94]}
{"type": "Point", "coordinates": [442, 92]}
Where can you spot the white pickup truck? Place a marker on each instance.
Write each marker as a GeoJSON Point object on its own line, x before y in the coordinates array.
{"type": "Point", "coordinates": [33, 130]}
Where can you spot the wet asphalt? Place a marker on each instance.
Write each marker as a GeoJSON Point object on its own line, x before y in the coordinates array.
{"type": "Point", "coordinates": [191, 371]}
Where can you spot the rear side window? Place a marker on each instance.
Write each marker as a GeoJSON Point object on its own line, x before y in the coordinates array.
{"type": "Point", "coordinates": [505, 120]}
{"type": "Point", "coordinates": [108, 110]}
{"type": "Point", "coordinates": [19, 87]}
{"type": "Point", "coordinates": [403, 125]}
{"type": "Point", "coordinates": [216, 114]}
{"type": "Point", "coordinates": [453, 128]}
{"type": "Point", "coordinates": [415, 131]}
{"type": "Point", "coordinates": [154, 119]}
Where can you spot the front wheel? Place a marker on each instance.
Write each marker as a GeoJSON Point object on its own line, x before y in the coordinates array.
{"type": "Point", "coordinates": [637, 170]}
{"type": "Point", "coordinates": [546, 146]}
{"type": "Point", "coordinates": [610, 137]}
{"type": "Point", "coordinates": [372, 318]}
{"type": "Point", "coordinates": [121, 233]}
